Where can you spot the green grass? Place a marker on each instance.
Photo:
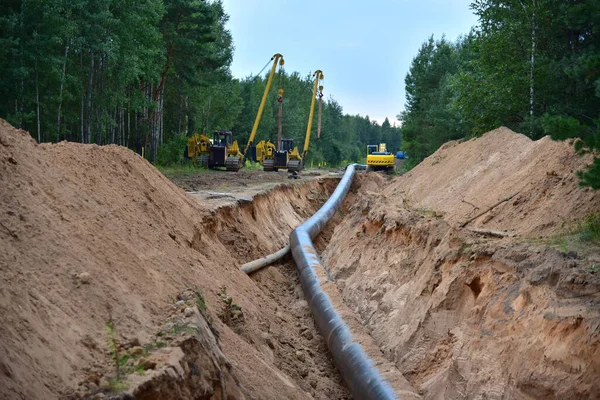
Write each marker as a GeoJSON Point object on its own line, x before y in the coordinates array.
{"type": "Point", "coordinates": [117, 385]}
{"type": "Point", "coordinates": [253, 166]}
{"type": "Point", "coordinates": [187, 169]}
{"type": "Point", "coordinates": [200, 300]}
{"type": "Point", "coordinates": [140, 370]}
{"type": "Point", "coordinates": [582, 236]}
{"type": "Point", "coordinates": [589, 228]}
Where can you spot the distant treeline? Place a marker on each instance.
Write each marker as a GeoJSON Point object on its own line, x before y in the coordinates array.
{"type": "Point", "coordinates": [530, 65]}
{"type": "Point", "coordinates": [146, 73]}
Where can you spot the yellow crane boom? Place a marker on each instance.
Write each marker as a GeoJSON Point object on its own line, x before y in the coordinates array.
{"type": "Point", "coordinates": [318, 75]}
{"type": "Point", "coordinates": [296, 160]}
{"type": "Point", "coordinates": [277, 59]}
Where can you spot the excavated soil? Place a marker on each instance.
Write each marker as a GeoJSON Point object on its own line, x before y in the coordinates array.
{"type": "Point", "coordinates": [94, 237]}
{"type": "Point", "coordinates": [102, 257]}
{"type": "Point", "coordinates": [461, 180]}
{"type": "Point", "coordinates": [482, 311]}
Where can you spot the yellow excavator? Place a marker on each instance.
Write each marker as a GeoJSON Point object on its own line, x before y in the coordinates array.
{"type": "Point", "coordinates": [198, 149]}
{"type": "Point", "coordinates": [264, 150]}
{"type": "Point", "coordinates": [296, 160]}
{"type": "Point", "coordinates": [378, 158]}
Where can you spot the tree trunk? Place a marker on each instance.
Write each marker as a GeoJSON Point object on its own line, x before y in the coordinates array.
{"type": "Point", "coordinates": [113, 127]}
{"type": "Point", "coordinates": [207, 115]}
{"type": "Point", "coordinates": [60, 93]}
{"type": "Point", "coordinates": [122, 124]}
{"type": "Point", "coordinates": [128, 125]}
{"type": "Point", "coordinates": [531, 80]}
{"type": "Point", "coordinates": [179, 117]}
{"type": "Point", "coordinates": [21, 104]}
{"type": "Point", "coordinates": [37, 100]}
{"type": "Point", "coordinates": [162, 121]}
{"type": "Point", "coordinates": [187, 116]}
{"type": "Point", "coordinates": [156, 98]}
{"type": "Point", "coordinates": [88, 131]}
{"type": "Point", "coordinates": [81, 119]}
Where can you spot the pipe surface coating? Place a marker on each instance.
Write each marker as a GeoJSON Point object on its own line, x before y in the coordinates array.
{"type": "Point", "coordinates": [359, 372]}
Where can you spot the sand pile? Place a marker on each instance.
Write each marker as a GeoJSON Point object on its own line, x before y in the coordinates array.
{"type": "Point", "coordinates": [89, 233]}
{"type": "Point", "coordinates": [462, 179]}
{"type": "Point", "coordinates": [466, 314]}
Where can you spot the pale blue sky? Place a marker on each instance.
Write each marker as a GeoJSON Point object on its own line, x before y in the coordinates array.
{"type": "Point", "coordinates": [363, 47]}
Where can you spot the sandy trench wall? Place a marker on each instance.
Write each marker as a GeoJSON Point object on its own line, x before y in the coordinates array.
{"type": "Point", "coordinates": [87, 228]}
{"type": "Point", "coordinates": [465, 316]}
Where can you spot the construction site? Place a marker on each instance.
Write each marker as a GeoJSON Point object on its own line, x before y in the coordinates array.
{"type": "Point", "coordinates": [462, 278]}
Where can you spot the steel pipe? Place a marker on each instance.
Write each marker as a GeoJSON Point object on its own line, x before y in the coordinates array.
{"type": "Point", "coordinates": [255, 265]}
{"type": "Point", "coordinates": [359, 372]}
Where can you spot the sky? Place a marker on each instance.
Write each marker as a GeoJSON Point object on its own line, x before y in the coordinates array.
{"type": "Point", "coordinates": [364, 48]}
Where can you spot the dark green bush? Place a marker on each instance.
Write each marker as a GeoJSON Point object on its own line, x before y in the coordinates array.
{"type": "Point", "coordinates": [171, 153]}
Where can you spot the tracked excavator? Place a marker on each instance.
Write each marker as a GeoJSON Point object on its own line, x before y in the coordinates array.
{"type": "Point", "coordinates": [296, 160]}
{"type": "Point", "coordinates": [265, 152]}
{"type": "Point", "coordinates": [378, 158]}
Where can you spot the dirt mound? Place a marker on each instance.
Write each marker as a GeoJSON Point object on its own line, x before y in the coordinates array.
{"type": "Point", "coordinates": [462, 179]}
{"type": "Point", "coordinates": [467, 315]}
{"type": "Point", "coordinates": [463, 316]}
{"type": "Point", "coordinates": [92, 234]}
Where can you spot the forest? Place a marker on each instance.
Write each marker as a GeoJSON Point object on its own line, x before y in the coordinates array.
{"type": "Point", "coordinates": [533, 66]}
{"type": "Point", "coordinates": [149, 73]}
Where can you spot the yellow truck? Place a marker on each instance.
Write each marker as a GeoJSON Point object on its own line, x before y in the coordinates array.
{"type": "Point", "coordinates": [379, 159]}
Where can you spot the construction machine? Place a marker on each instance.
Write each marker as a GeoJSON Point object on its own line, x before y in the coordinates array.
{"type": "Point", "coordinates": [296, 160]}
{"type": "Point", "coordinates": [278, 157]}
{"type": "Point", "coordinates": [263, 150]}
{"type": "Point", "coordinates": [224, 152]}
{"type": "Point", "coordinates": [378, 158]}
{"type": "Point", "coordinates": [198, 149]}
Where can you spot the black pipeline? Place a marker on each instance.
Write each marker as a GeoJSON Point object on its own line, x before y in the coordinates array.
{"type": "Point", "coordinates": [359, 372]}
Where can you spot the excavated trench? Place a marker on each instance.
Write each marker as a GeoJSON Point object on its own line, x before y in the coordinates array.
{"type": "Point", "coordinates": [282, 330]}
{"type": "Point", "coordinates": [457, 314]}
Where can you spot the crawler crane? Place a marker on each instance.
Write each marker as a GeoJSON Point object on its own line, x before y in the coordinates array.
{"type": "Point", "coordinates": [296, 160]}
{"type": "Point", "coordinates": [263, 151]}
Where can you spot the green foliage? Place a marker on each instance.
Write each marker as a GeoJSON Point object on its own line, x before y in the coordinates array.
{"type": "Point", "coordinates": [253, 166]}
{"type": "Point", "coordinates": [113, 345]}
{"type": "Point", "coordinates": [107, 71]}
{"type": "Point", "coordinates": [171, 153]}
{"type": "Point", "coordinates": [230, 313]}
{"type": "Point", "coordinates": [146, 74]}
{"type": "Point", "coordinates": [591, 176]}
{"type": "Point", "coordinates": [117, 385]}
{"type": "Point", "coordinates": [531, 66]}
{"type": "Point", "coordinates": [562, 127]}
{"type": "Point", "coordinates": [582, 236]}
{"type": "Point", "coordinates": [200, 302]}
{"type": "Point", "coordinates": [431, 117]}
{"type": "Point", "coordinates": [589, 229]}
